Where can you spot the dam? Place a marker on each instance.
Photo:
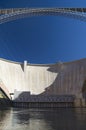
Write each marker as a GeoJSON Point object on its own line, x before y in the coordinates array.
{"type": "Point", "coordinates": [44, 85]}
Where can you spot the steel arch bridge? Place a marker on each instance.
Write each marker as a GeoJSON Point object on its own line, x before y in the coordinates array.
{"type": "Point", "coordinates": [11, 14]}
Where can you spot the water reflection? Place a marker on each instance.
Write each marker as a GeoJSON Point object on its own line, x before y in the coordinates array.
{"type": "Point", "coordinates": [43, 119]}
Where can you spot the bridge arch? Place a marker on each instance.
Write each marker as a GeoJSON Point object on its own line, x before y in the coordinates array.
{"type": "Point", "coordinates": [7, 15]}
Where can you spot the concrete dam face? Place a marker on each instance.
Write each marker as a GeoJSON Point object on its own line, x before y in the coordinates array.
{"type": "Point", "coordinates": [46, 83]}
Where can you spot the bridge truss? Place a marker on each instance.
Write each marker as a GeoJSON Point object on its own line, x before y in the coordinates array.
{"type": "Point", "coordinates": [11, 14]}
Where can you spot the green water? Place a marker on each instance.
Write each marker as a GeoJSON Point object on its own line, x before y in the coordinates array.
{"type": "Point", "coordinates": [43, 119]}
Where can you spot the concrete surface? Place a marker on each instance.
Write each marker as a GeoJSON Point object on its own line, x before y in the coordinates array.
{"type": "Point", "coordinates": [49, 79]}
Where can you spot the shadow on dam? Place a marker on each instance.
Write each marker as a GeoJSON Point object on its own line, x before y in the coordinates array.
{"type": "Point", "coordinates": [53, 96]}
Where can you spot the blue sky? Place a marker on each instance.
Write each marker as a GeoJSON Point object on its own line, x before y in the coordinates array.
{"type": "Point", "coordinates": [45, 39]}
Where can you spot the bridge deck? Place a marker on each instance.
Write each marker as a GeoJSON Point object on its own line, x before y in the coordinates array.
{"type": "Point", "coordinates": [13, 10]}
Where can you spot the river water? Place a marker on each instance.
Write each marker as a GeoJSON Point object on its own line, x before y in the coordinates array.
{"type": "Point", "coordinates": [43, 119]}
